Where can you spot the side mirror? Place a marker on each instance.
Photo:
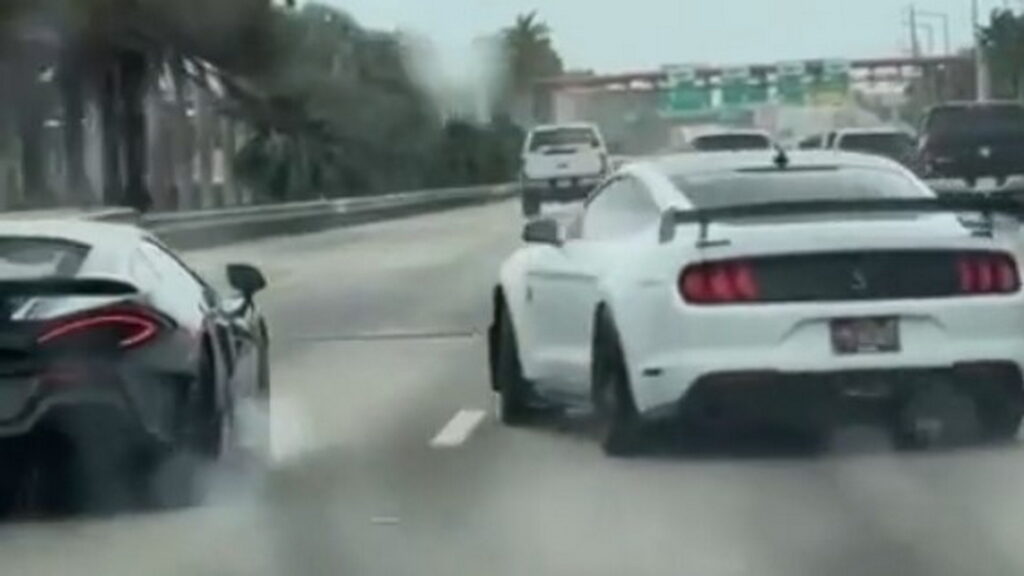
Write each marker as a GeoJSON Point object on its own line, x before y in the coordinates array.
{"type": "Point", "coordinates": [246, 279]}
{"type": "Point", "coordinates": [543, 231]}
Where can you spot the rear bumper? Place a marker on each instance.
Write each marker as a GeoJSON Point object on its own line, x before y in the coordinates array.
{"type": "Point", "coordinates": [560, 189]}
{"type": "Point", "coordinates": [141, 408]}
{"type": "Point", "coordinates": [970, 167]}
{"type": "Point", "coordinates": [670, 347]}
{"type": "Point", "coordinates": [845, 397]}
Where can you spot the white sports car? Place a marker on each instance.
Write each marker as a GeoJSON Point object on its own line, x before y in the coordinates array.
{"type": "Point", "coordinates": [758, 287]}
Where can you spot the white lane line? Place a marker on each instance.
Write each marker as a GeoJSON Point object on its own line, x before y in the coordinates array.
{"type": "Point", "coordinates": [458, 429]}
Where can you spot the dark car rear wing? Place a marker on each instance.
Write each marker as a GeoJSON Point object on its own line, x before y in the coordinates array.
{"type": "Point", "coordinates": [986, 205]}
{"type": "Point", "coordinates": [37, 287]}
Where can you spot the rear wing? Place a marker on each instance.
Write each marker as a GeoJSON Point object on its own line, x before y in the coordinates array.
{"type": "Point", "coordinates": [987, 205]}
{"type": "Point", "coordinates": [39, 287]}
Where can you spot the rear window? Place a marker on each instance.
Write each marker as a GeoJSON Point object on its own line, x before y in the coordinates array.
{"type": "Point", "coordinates": [974, 119]}
{"type": "Point", "coordinates": [727, 142]}
{"type": "Point", "coordinates": [28, 258]}
{"type": "Point", "coordinates": [563, 137]}
{"type": "Point", "coordinates": [723, 189]}
{"type": "Point", "coordinates": [886, 144]}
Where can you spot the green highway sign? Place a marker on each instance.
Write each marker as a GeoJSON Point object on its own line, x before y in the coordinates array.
{"type": "Point", "coordinates": [734, 86]}
{"type": "Point", "coordinates": [687, 92]}
{"type": "Point", "coordinates": [740, 88]}
{"type": "Point", "coordinates": [790, 83]}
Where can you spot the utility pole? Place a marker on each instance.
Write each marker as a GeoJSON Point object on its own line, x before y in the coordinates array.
{"type": "Point", "coordinates": [980, 64]}
{"type": "Point", "coordinates": [946, 47]}
{"type": "Point", "coordinates": [915, 48]}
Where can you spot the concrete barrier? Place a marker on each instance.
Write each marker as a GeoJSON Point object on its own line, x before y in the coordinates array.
{"type": "Point", "coordinates": [207, 228]}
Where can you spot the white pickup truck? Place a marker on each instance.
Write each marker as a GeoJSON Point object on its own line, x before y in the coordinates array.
{"type": "Point", "coordinates": [561, 163]}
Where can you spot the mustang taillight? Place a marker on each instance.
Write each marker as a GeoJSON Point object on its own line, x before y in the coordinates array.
{"type": "Point", "coordinates": [121, 328]}
{"type": "Point", "coordinates": [984, 273]}
{"type": "Point", "coordinates": [719, 283]}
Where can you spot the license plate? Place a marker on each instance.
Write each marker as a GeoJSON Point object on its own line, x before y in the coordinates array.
{"type": "Point", "coordinates": [865, 336]}
{"type": "Point", "coordinates": [563, 183]}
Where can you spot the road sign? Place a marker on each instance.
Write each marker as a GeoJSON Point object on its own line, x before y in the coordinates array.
{"type": "Point", "coordinates": [791, 83]}
{"type": "Point", "coordinates": [832, 87]}
{"type": "Point", "coordinates": [688, 93]}
{"type": "Point", "coordinates": [739, 88]}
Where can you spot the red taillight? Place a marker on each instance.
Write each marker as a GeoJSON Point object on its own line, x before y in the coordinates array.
{"type": "Point", "coordinates": [987, 274]}
{"type": "Point", "coordinates": [124, 328]}
{"type": "Point", "coordinates": [719, 283]}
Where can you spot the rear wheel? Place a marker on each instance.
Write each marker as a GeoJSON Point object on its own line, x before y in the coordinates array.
{"type": "Point", "coordinates": [513, 389]}
{"type": "Point", "coordinates": [621, 427]}
{"type": "Point", "coordinates": [173, 472]}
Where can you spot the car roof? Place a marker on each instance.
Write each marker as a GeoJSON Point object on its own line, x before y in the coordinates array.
{"type": "Point", "coordinates": [735, 132]}
{"type": "Point", "coordinates": [567, 125]}
{"type": "Point", "coordinates": [705, 162]}
{"type": "Point", "coordinates": [111, 244]}
{"type": "Point", "coordinates": [875, 130]}
{"type": "Point", "coordinates": [966, 104]}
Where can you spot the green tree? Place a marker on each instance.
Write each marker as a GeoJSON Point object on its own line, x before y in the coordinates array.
{"type": "Point", "coordinates": [1003, 41]}
{"type": "Point", "coordinates": [529, 51]}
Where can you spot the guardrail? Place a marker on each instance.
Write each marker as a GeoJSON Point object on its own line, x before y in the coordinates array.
{"type": "Point", "coordinates": [206, 228]}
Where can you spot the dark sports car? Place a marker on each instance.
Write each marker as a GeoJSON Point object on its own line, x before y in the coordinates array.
{"type": "Point", "coordinates": [117, 362]}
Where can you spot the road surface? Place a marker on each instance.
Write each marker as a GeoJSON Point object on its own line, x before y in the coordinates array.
{"type": "Point", "coordinates": [386, 460]}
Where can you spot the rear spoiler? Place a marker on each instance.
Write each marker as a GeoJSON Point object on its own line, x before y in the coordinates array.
{"type": "Point", "coordinates": [985, 204]}
{"type": "Point", "coordinates": [38, 287]}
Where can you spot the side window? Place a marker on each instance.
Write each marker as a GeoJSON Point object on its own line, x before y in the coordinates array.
{"type": "Point", "coordinates": [174, 278]}
{"type": "Point", "coordinates": [621, 208]}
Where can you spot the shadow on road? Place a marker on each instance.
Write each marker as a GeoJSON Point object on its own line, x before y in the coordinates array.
{"type": "Point", "coordinates": [673, 441]}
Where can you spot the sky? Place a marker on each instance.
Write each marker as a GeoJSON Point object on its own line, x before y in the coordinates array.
{"type": "Point", "coordinates": [621, 35]}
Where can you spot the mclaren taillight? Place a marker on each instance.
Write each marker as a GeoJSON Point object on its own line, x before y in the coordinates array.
{"type": "Point", "coordinates": [120, 328]}
{"type": "Point", "coordinates": [719, 283]}
{"type": "Point", "coordinates": [984, 273]}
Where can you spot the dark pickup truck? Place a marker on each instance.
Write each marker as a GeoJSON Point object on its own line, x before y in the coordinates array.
{"type": "Point", "coordinates": [972, 140]}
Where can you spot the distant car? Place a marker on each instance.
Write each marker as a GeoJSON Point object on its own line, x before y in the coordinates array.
{"type": "Point", "coordinates": [112, 344]}
{"type": "Point", "coordinates": [561, 163]}
{"type": "Point", "coordinates": [733, 141]}
{"type": "Point", "coordinates": [745, 289]}
{"type": "Point", "coordinates": [891, 143]}
{"type": "Point", "coordinates": [972, 140]}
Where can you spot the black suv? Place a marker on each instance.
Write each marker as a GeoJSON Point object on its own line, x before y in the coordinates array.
{"type": "Point", "coordinates": [972, 140]}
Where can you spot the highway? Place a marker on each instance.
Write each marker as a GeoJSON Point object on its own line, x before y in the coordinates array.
{"type": "Point", "coordinates": [382, 465]}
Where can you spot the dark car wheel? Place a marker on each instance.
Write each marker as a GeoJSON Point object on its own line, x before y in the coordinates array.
{"type": "Point", "coordinates": [513, 390]}
{"type": "Point", "coordinates": [172, 473]}
{"type": "Point", "coordinates": [621, 427]}
{"type": "Point", "coordinates": [1000, 417]}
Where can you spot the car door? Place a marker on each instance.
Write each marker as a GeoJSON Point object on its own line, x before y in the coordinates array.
{"type": "Point", "coordinates": [563, 283]}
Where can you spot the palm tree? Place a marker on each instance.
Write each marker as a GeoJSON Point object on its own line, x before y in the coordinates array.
{"type": "Point", "coordinates": [1003, 41]}
{"type": "Point", "coordinates": [530, 52]}
{"type": "Point", "coordinates": [529, 55]}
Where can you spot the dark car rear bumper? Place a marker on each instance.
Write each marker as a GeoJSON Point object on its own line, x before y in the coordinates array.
{"type": "Point", "coordinates": [971, 165]}
{"type": "Point", "coordinates": [143, 408]}
{"type": "Point", "coordinates": [825, 399]}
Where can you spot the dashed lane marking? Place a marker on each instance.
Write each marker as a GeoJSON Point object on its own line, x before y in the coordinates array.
{"type": "Point", "coordinates": [458, 430]}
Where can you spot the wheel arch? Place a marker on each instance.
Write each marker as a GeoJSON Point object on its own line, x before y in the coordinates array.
{"type": "Point", "coordinates": [605, 308]}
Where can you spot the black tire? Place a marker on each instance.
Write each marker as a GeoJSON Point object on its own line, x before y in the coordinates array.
{"type": "Point", "coordinates": [513, 390]}
{"type": "Point", "coordinates": [1000, 419]}
{"type": "Point", "coordinates": [172, 473]}
{"type": "Point", "coordinates": [531, 204]}
{"type": "Point", "coordinates": [622, 430]}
